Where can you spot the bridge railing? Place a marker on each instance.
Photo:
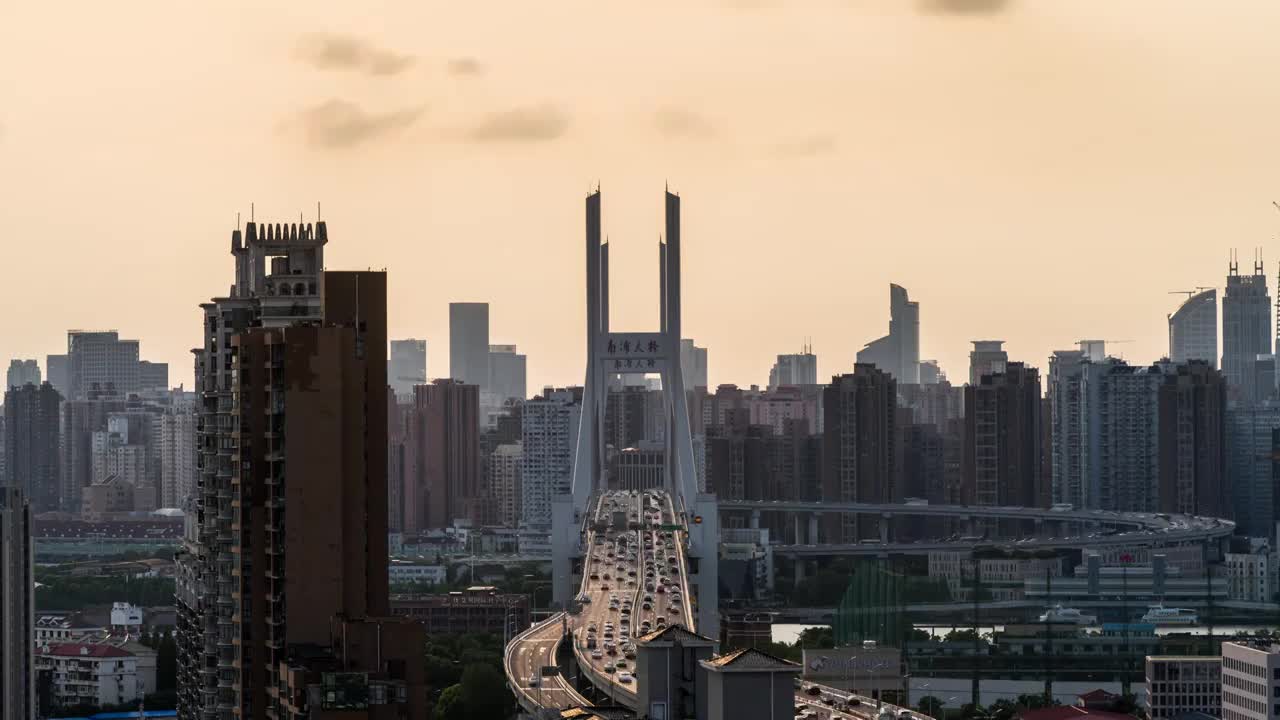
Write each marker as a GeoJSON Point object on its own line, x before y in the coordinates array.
{"type": "Point", "coordinates": [529, 697]}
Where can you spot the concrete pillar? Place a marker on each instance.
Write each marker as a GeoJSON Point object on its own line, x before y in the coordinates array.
{"type": "Point", "coordinates": [755, 519]}
{"type": "Point", "coordinates": [799, 577]}
{"type": "Point", "coordinates": [884, 529]}
{"type": "Point", "coordinates": [799, 536]}
{"type": "Point", "coordinates": [813, 528]}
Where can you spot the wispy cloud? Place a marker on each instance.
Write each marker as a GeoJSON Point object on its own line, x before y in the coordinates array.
{"type": "Point", "coordinates": [538, 123]}
{"type": "Point", "coordinates": [338, 124]}
{"type": "Point", "coordinates": [465, 66]}
{"type": "Point", "coordinates": [964, 7]}
{"type": "Point", "coordinates": [674, 122]}
{"type": "Point", "coordinates": [808, 146]}
{"type": "Point", "coordinates": [325, 51]}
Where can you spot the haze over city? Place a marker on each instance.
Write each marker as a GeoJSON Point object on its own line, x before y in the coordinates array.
{"type": "Point", "coordinates": [1033, 171]}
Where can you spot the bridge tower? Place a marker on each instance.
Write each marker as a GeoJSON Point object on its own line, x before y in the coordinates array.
{"type": "Point", "coordinates": [611, 352]}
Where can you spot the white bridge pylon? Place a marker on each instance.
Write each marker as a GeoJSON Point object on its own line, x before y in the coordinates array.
{"type": "Point", "coordinates": [619, 353]}
{"type": "Point", "coordinates": [611, 352]}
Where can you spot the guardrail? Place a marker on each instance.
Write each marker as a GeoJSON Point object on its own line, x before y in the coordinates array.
{"type": "Point", "coordinates": [867, 708]}
{"type": "Point", "coordinates": [526, 696]}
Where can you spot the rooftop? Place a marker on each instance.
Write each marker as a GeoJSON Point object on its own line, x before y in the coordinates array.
{"type": "Point", "coordinates": [750, 659]}
{"type": "Point", "coordinates": [85, 650]}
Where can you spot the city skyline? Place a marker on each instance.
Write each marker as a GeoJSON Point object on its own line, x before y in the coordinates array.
{"type": "Point", "coordinates": [849, 170]}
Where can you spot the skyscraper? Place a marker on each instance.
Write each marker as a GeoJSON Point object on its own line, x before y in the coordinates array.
{"type": "Point", "coordinates": [1194, 477]}
{"type": "Point", "coordinates": [178, 472]}
{"type": "Point", "coordinates": [442, 455]}
{"type": "Point", "coordinates": [859, 453]}
{"type": "Point", "coordinates": [1246, 331]}
{"type": "Point", "coordinates": [57, 373]}
{"type": "Point", "coordinates": [1193, 329]}
{"type": "Point", "coordinates": [549, 435]}
{"type": "Point", "coordinates": [293, 376]}
{"type": "Point", "coordinates": [795, 369]}
{"type": "Point", "coordinates": [693, 364]}
{"type": "Point", "coordinates": [31, 440]}
{"type": "Point", "coordinates": [407, 367]}
{"type": "Point", "coordinates": [504, 481]}
{"type": "Point", "coordinates": [469, 343]}
{"type": "Point", "coordinates": [1120, 412]}
{"type": "Point", "coordinates": [507, 370]}
{"type": "Point", "coordinates": [1002, 453]}
{"type": "Point", "coordinates": [17, 608]}
{"type": "Point", "coordinates": [897, 353]}
{"type": "Point", "coordinates": [1066, 383]}
{"type": "Point", "coordinates": [987, 358]}
{"type": "Point", "coordinates": [23, 372]}
{"type": "Point", "coordinates": [80, 420]}
{"type": "Point", "coordinates": [101, 360]}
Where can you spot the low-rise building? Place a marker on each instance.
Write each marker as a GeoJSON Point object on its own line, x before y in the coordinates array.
{"type": "Point", "coordinates": [1249, 576]}
{"type": "Point", "coordinates": [400, 572]}
{"type": "Point", "coordinates": [1178, 684]}
{"type": "Point", "coordinates": [90, 674]}
{"type": "Point", "coordinates": [52, 628]}
{"type": "Point", "coordinates": [480, 609]}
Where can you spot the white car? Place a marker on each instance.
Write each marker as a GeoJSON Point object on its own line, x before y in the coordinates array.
{"type": "Point", "coordinates": [534, 681]}
{"type": "Point", "coordinates": [625, 678]}
{"type": "Point", "coordinates": [597, 654]}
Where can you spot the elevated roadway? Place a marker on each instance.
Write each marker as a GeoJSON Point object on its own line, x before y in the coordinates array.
{"type": "Point", "coordinates": [526, 656]}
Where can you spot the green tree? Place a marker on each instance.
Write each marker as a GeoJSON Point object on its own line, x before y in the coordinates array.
{"type": "Point", "coordinates": [816, 637]}
{"type": "Point", "coordinates": [450, 706]}
{"type": "Point", "coordinates": [931, 706]}
{"type": "Point", "coordinates": [484, 692]}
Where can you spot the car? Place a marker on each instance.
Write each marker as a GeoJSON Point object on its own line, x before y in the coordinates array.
{"type": "Point", "coordinates": [625, 678]}
{"type": "Point", "coordinates": [813, 691]}
{"type": "Point", "coordinates": [595, 576]}
{"type": "Point", "coordinates": [606, 576]}
{"type": "Point", "coordinates": [629, 653]}
{"type": "Point", "coordinates": [597, 654]}
{"type": "Point", "coordinates": [620, 663]}
{"type": "Point", "coordinates": [534, 681]}
{"type": "Point", "coordinates": [608, 667]}
{"type": "Point", "coordinates": [647, 606]}
{"type": "Point", "coordinates": [604, 587]}
{"type": "Point", "coordinates": [611, 651]}
{"type": "Point", "coordinates": [662, 588]}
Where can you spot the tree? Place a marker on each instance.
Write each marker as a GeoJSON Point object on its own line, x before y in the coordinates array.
{"type": "Point", "coordinates": [450, 706]}
{"type": "Point", "coordinates": [930, 705]}
{"type": "Point", "coordinates": [816, 637]}
{"type": "Point", "coordinates": [484, 692]}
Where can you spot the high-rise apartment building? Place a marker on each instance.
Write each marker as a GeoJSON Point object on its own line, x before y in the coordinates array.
{"type": "Point", "coordinates": [794, 369]}
{"type": "Point", "coordinates": [1182, 686]}
{"type": "Point", "coordinates": [504, 481]}
{"type": "Point", "coordinates": [442, 455]}
{"type": "Point", "coordinates": [507, 371]}
{"type": "Point", "coordinates": [859, 453]}
{"type": "Point", "coordinates": [1002, 453]}
{"type": "Point", "coordinates": [693, 364]}
{"type": "Point", "coordinates": [22, 372]}
{"type": "Point", "coordinates": [1120, 413]}
{"type": "Point", "coordinates": [178, 472]}
{"type": "Point", "coordinates": [1193, 329]}
{"type": "Point", "coordinates": [407, 367]}
{"type": "Point", "coordinates": [1064, 393]}
{"type": "Point", "coordinates": [32, 436]}
{"type": "Point", "coordinates": [17, 607]}
{"type": "Point", "coordinates": [549, 434]}
{"type": "Point", "coordinates": [1246, 331]}
{"type": "Point", "coordinates": [100, 360]}
{"type": "Point", "coordinates": [1194, 478]}
{"type": "Point", "coordinates": [292, 376]}
{"type": "Point", "coordinates": [988, 357]}
{"type": "Point", "coordinates": [469, 343]}
{"type": "Point", "coordinates": [897, 353]}
{"type": "Point", "coordinates": [80, 420]}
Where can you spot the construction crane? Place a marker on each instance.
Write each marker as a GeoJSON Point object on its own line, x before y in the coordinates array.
{"type": "Point", "coordinates": [1189, 293]}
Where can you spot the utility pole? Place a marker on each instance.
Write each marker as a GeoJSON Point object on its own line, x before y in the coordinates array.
{"type": "Point", "coordinates": [1048, 639]}
{"type": "Point", "coordinates": [977, 636]}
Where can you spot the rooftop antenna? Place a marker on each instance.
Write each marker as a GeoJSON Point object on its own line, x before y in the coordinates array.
{"type": "Point", "coordinates": [250, 212]}
{"type": "Point", "coordinates": [317, 211]}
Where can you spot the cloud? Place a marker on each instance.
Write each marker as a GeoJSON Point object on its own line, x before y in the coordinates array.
{"type": "Point", "coordinates": [349, 53]}
{"type": "Point", "coordinates": [536, 123]}
{"type": "Point", "coordinates": [338, 124]}
{"type": "Point", "coordinates": [465, 66]}
{"type": "Point", "coordinates": [676, 122]}
{"type": "Point", "coordinates": [809, 146]}
{"type": "Point", "coordinates": [964, 7]}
